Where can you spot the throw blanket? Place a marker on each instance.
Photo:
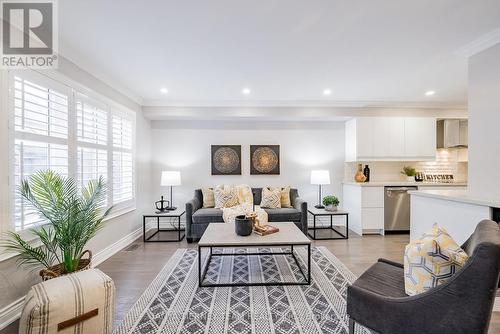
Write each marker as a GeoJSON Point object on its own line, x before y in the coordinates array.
{"type": "Point", "coordinates": [244, 207]}
{"type": "Point", "coordinates": [229, 214]}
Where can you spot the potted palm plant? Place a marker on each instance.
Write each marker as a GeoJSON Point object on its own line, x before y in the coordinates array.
{"type": "Point", "coordinates": [74, 217]}
{"type": "Point", "coordinates": [331, 203]}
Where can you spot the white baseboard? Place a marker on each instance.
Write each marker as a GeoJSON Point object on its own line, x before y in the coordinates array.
{"type": "Point", "coordinates": [496, 305]}
{"type": "Point", "coordinates": [112, 249]}
{"type": "Point", "coordinates": [12, 312]}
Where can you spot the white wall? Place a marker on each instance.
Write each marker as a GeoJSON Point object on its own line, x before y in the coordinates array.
{"type": "Point", "coordinates": [303, 147]}
{"type": "Point", "coordinates": [484, 122]}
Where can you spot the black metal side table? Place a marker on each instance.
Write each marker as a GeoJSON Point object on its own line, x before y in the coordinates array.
{"type": "Point", "coordinates": [176, 226]}
{"type": "Point", "coordinates": [322, 213]}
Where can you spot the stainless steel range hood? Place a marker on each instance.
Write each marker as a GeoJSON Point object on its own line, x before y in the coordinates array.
{"type": "Point", "coordinates": [452, 133]}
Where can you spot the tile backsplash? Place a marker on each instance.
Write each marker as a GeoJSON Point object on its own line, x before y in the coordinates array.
{"type": "Point", "coordinates": [448, 161]}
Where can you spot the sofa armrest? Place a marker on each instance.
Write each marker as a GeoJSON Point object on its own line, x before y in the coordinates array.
{"type": "Point", "coordinates": [301, 205]}
{"type": "Point", "coordinates": [191, 207]}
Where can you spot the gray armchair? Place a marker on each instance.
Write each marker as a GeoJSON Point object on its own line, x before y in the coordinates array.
{"type": "Point", "coordinates": [463, 304]}
{"type": "Point", "coordinates": [198, 218]}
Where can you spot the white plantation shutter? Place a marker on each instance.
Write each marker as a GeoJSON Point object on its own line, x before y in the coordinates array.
{"type": "Point", "coordinates": [76, 135]}
{"type": "Point", "coordinates": [92, 140]}
{"type": "Point", "coordinates": [40, 137]}
{"type": "Point", "coordinates": [92, 121]}
{"type": "Point", "coordinates": [123, 163]}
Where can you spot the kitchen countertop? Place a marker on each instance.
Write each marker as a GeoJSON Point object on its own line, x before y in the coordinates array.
{"type": "Point", "coordinates": [462, 196]}
{"type": "Point", "coordinates": [405, 184]}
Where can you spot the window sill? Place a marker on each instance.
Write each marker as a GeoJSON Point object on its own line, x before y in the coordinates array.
{"type": "Point", "coordinates": [34, 241]}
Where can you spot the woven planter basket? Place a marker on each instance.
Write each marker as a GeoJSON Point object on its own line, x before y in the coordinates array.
{"type": "Point", "coordinates": [58, 270]}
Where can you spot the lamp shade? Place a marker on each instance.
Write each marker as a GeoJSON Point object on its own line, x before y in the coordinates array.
{"type": "Point", "coordinates": [320, 177]}
{"type": "Point", "coordinates": [170, 178]}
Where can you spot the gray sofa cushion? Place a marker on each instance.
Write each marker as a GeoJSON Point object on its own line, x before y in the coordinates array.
{"type": "Point", "coordinates": [283, 215]}
{"type": "Point", "coordinates": [207, 215]}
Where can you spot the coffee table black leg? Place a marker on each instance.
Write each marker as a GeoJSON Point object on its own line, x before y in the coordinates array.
{"type": "Point", "coordinates": [309, 263]}
{"type": "Point", "coordinates": [144, 229]}
{"type": "Point", "coordinates": [199, 266]}
{"type": "Point", "coordinates": [179, 228]}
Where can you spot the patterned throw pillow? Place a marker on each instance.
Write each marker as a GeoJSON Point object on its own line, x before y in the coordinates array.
{"type": "Point", "coordinates": [431, 260]}
{"type": "Point", "coordinates": [225, 196]}
{"type": "Point", "coordinates": [208, 197]}
{"type": "Point", "coordinates": [271, 198]}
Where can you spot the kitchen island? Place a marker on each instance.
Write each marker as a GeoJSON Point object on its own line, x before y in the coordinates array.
{"type": "Point", "coordinates": [457, 211]}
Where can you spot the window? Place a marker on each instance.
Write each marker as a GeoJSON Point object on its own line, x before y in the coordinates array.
{"type": "Point", "coordinates": [57, 128]}
{"type": "Point", "coordinates": [123, 167]}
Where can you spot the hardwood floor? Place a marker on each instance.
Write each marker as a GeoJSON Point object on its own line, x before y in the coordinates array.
{"type": "Point", "coordinates": [135, 267]}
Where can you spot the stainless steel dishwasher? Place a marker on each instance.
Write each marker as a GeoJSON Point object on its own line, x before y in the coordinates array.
{"type": "Point", "coordinates": [397, 209]}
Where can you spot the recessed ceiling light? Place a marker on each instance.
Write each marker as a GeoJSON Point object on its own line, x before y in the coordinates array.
{"type": "Point", "coordinates": [163, 90]}
{"type": "Point", "coordinates": [246, 91]}
{"type": "Point", "coordinates": [327, 91]}
{"type": "Point", "coordinates": [430, 93]}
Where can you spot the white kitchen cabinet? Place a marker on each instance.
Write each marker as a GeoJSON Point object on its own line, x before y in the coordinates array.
{"type": "Point", "coordinates": [373, 220]}
{"type": "Point", "coordinates": [390, 138]}
{"type": "Point", "coordinates": [420, 138]}
{"type": "Point", "coordinates": [366, 208]}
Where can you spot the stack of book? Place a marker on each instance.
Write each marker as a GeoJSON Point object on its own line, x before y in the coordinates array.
{"type": "Point", "coordinates": [265, 230]}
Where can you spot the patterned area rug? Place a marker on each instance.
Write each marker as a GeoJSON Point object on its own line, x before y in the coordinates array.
{"type": "Point", "coordinates": [173, 303]}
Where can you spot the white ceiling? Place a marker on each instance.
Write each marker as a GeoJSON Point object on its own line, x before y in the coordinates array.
{"type": "Point", "coordinates": [285, 51]}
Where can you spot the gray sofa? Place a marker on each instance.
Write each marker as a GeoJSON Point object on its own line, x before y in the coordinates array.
{"type": "Point", "coordinates": [198, 218]}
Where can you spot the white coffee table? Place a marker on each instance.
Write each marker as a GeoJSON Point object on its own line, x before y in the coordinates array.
{"type": "Point", "coordinates": [222, 235]}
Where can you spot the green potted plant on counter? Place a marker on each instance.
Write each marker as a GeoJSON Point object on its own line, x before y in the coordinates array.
{"type": "Point", "coordinates": [73, 218]}
{"type": "Point", "coordinates": [331, 203]}
{"type": "Point", "coordinates": [409, 172]}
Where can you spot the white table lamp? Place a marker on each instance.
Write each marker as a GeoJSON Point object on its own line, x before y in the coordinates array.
{"type": "Point", "coordinates": [320, 177]}
{"type": "Point", "coordinates": [170, 179]}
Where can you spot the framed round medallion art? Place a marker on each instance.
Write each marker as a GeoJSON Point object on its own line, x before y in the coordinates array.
{"type": "Point", "coordinates": [264, 159]}
{"type": "Point", "coordinates": [226, 159]}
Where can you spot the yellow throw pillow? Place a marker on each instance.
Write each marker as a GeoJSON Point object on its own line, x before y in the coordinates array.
{"type": "Point", "coordinates": [245, 195]}
{"type": "Point", "coordinates": [208, 197]}
{"type": "Point", "coordinates": [225, 196]}
{"type": "Point", "coordinates": [431, 261]}
{"type": "Point", "coordinates": [285, 197]}
{"type": "Point", "coordinates": [271, 198]}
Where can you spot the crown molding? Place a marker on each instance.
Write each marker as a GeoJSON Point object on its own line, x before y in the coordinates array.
{"type": "Point", "coordinates": [484, 42]}
{"type": "Point", "coordinates": [306, 104]}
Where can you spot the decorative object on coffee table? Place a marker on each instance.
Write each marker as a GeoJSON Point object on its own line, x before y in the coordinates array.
{"type": "Point", "coordinates": [243, 225]}
{"type": "Point", "coordinates": [264, 159]}
{"type": "Point", "coordinates": [320, 177]}
{"type": "Point", "coordinates": [74, 217]}
{"type": "Point", "coordinates": [318, 213]}
{"type": "Point", "coordinates": [175, 221]}
{"type": "Point", "coordinates": [170, 179]}
{"type": "Point", "coordinates": [360, 177]}
{"type": "Point", "coordinates": [331, 203]}
{"type": "Point", "coordinates": [226, 159]}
